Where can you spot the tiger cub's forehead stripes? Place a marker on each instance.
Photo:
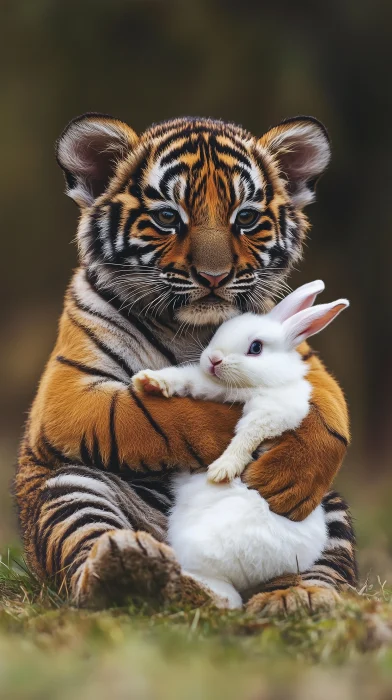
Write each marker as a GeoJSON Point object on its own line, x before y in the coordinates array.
{"type": "Point", "coordinates": [200, 167]}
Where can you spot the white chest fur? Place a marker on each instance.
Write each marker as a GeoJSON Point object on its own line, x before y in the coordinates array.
{"type": "Point", "coordinates": [226, 536]}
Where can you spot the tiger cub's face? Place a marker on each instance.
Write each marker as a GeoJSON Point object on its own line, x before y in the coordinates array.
{"type": "Point", "coordinates": [196, 219]}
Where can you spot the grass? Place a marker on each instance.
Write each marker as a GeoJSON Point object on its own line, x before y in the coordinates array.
{"type": "Point", "coordinates": [50, 650]}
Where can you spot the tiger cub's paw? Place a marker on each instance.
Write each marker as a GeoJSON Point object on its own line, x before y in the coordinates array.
{"type": "Point", "coordinates": [124, 564]}
{"type": "Point", "coordinates": [151, 382]}
{"type": "Point", "coordinates": [301, 597]}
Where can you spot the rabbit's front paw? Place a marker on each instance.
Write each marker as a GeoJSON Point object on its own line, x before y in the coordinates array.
{"type": "Point", "coordinates": [223, 470]}
{"type": "Point", "coordinates": [151, 383]}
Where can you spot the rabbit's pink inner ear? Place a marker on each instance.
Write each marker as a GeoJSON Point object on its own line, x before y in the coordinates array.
{"type": "Point", "coordinates": [318, 324]}
{"type": "Point", "coordinates": [308, 322]}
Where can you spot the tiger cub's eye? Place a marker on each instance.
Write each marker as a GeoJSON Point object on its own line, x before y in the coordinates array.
{"type": "Point", "coordinates": [166, 217]}
{"type": "Point", "coordinates": [246, 217]}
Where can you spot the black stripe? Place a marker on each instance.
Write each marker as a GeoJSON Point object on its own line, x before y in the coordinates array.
{"type": "Point", "coordinates": [269, 193]}
{"type": "Point", "coordinates": [269, 213]}
{"type": "Point", "coordinates": [148, 415]}
{"type": "Point", "coordinates": [131, 218]}
{"type": "Point", "coordinates": [282, 222]}
{"type": "Point", "coordinates": [29, 490]}
{"type": "Point", "coordinates": [95, 238]}
{"type": "Point", "coordinates": [269, 190]}
{"type": "Point", "coordinates": [152, 193]}
{"type": "Point", "coordinates": [308, 355]}
{"type": "Point", "coordinates": [336, 435]}
{"type": "Point", "coordinates": [152, 498]}
{"type": "Point", "coordinates": [178, 151]}
{"type": "Point", "coordinates": [292, 510]}
{"type": "Point", "coordinates": [114, 219]}
{"type": "Point", "coordinates": [193, 452]}
{"type": "Point", "coordinates": [96, 453]}
{"type": "Point", "coordinates": [170, 173]}
{"type": "Point", "coordinates": [284, 488]}
{"type": "Point", "coordinates": [114, 463]}
{"type": "Point", "coordinates": [331, 431]}
{"type": "Point", "coordinates": [283, 586]}
{"type": "Point", "coordinates": [81, 543]}
{"type": "Point", "coordinates": [230, 151]}
{"type": "Point", "coordinates": [60, 490]}
{"type": "Point", "coordinates": [343, 569]}
{"type": "Point", "coordinates": [319, 576]}
{"type": "Point", "coordinates": [85, 452]}
{"type": "Point", "coordinates": [333, 564]}
{"type": "Point", "coordinates": [264, 226]}
{"type": "Point", "coordinates": [62, 511]}
{"type": "Point", "coordinates": [27, 479]}
{"type": "Point", "coordinates": [85, 369]}
{"type": "Point", "coordinates": [331, 507]}
{"type": "Point", "coordinates": [102, 346]}
{"type": "Point", "coordinates": [33, 458]}
{"type": "Point", "coordinates": [54, 451]}
{"type": "Point", "coordinates": [339, 530]}
{"type": "Point", "coordinates": [87, 471]}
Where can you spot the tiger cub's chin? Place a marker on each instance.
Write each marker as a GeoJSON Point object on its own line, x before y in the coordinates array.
{"type": "Point", "coordinates": [200, 314]}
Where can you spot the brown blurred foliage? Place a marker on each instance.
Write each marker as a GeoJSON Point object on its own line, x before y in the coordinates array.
{"type": "Point", "coordinates": [248, 61]}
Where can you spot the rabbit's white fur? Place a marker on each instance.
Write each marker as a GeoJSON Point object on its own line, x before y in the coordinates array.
{"type": "Point", "coordinates": [226, 535]}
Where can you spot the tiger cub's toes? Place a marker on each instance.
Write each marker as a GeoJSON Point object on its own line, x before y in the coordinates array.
{"type": "Point", "coordinates": [125, 565]}
{"type": "Point", "coordinates": [288, 600]}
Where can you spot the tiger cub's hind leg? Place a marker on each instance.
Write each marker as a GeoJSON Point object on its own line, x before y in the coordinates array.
{"type": "Point", "coordinates": [87, 530]}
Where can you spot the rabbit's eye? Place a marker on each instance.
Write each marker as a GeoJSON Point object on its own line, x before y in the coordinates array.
{"type": "Point", "coordinates": [255, 348]}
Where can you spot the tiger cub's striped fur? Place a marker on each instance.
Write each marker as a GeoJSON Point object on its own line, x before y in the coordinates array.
{"type": "Point", "coordinates": [187, 225]}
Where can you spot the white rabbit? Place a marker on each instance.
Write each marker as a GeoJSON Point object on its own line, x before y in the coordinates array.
{"type": "Point", "coordinates": [226, 535]}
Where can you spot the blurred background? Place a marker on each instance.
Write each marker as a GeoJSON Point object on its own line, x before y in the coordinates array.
{"type": "Point", "coordinates": [251, 62]}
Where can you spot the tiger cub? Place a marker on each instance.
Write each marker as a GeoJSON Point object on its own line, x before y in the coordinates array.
{"type": "Point", "coordinates": [181, 228]}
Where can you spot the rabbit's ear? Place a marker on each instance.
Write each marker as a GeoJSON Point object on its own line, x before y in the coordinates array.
{"type": "Point", "coordinates": [301, 298]}
{"type": "Point", "coordinates": [311, 321]}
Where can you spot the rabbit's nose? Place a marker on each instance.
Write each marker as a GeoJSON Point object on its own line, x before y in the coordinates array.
{"type": "Point", "coordinates": [215, 362]}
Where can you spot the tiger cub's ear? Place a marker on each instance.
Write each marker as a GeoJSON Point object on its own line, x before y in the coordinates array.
{"type": "Point", "coordinates": [301, 149]}
{"type": "Point", "coordinates": [88, 151]}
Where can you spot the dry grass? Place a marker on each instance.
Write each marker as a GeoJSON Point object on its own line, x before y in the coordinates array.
{"type": "Point", "coordinates": [50, 650]}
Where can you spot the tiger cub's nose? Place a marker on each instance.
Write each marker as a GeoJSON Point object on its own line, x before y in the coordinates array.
{"type": "Point", "coordinates": [214, 280]}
